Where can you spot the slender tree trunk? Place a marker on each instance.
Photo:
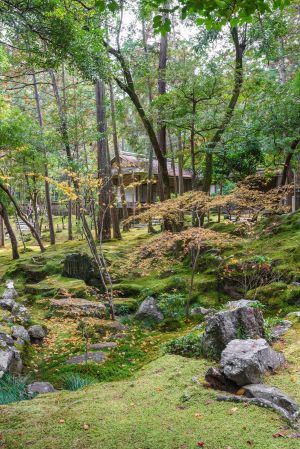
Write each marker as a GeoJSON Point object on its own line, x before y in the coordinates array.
{"type": "Point", "coordinates": [46, 174]}
{"type": "Point", "coordinates": [70, 217]}
{"type": "Point", "coordinates": [118, 160]}
{"type": "Point", "coordinates": [192, 148]}
{"type": "Point", "coordinates": [180, 166]}
{"type": "Point", "coordinates": [129, 88]}
{"type": "Point", "coordinates": [173, 164]}
{"type": "Point", "coordinates": [12, 236]}
{"type": "Point", "coordinates": [162, 130]}
{"type": "Point", "coordinates": [238, 82]}
{"type": "Point", "coordinates": [103, 174]}
{"type": "Point", "coordinates": [2, 239]}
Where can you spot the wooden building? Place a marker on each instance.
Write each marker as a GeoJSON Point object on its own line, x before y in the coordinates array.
{"type": "Point", "coordinates": [135, 174]}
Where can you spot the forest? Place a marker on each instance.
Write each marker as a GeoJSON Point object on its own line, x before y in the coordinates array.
{"type": "Point", "coordinates": [149, 224]}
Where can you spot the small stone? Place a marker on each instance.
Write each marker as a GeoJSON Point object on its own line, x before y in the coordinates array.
{"type": "Point", "coordinates": [103, 345]}
{"type": "Point", "coordinates": [241, 303]}
{"type": "Point", "coordinates": [37, 333]}
{"type": "Point", "coordinates": [40, 388]}
{"type": "Point", "coordinates": [19, 332]}
{"type": "Point", "coordinates": [149, 310]}
{"type": "Point", "coordinates": [280, 329]}
{"type": "Point", "coordinates": [202, 311]}
{"type": "Point", "coordinates": [97, 357]}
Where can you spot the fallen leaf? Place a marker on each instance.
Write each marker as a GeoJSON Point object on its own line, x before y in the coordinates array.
{"type": "Point", "coordinates": [241, 392]}
{"type": "Point", "coordinates": [198, 416]}
{"type": "Point", "coordinates": [200, 444]}
{"type": "Point", "coordinates": [86, 426]}
{"type": "Point", "coordinates": [279, 435]}
{"type": "Point", "coordinates": [61, 421]}
{"type": "Point", "coordinates": [232, 410]}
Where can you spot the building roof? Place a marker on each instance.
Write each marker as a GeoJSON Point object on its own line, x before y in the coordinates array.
{"type": "Point", "coordinates": [133, 163]}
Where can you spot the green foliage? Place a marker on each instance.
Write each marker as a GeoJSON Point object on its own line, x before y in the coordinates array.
{"type": "Point", "coordinates": [73, 381]}
{"type": "Point", "coordinates": [172, 304]}
{"type": "Point", "coordinates": [13, 389]}
{"type": "Point", "coordinates": [189, 345]}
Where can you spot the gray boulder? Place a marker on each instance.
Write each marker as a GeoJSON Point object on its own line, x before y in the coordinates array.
{"type": "Point", "coordinates": [149, 310]}
{"type": "Point", "coordinates": [37, 333]}
{"type": "Point", "coordinates": [222, 327]}
{"type": "Point", "coordinates": [10, 361]}
{"type": "Point", "coordinates": [272, 394]}
{"type": "Point", "coordinates": [20, 333]}
{"type": "Point", "coordinates": [246, 361]}
{"type": "Point", "coordinates": [40, 388]}
{"type": "Point", "coordinates": [217, 380]}
{"type": "Point", "coordinates": [7, 303]}
{"type": "Point", "coordinates": [241, 303]}
{"type": "Point", "coordinates": [10, 292]}
{"type": "Point", "coordinates": [294, 314]}
{"type": "Point", "coordinates": [202, 311]}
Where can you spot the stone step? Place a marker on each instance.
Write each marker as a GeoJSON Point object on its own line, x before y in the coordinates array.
{"type": "Point", "coordinates": [97, 357]}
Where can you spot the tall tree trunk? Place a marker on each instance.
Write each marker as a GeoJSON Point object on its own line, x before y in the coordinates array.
{"type": "Point", "coordinates": [192, 147]}
{"type": "Point", "coordinates": [240, 47]}
{"type": "Point", "coordinates": [12, 236]}
{"type": "Point", "coordinates": [102, 162]}
{"type": "Point", "coordinates": [70, 217]}
{"type": "Point", "coordinates": [118, 160]}
{"type": "Point", "coordinates": [46, 174]}
{"type": "Point", "coordinates": [161, 87]}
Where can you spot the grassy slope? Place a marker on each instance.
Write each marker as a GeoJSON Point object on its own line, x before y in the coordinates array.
{"type": "Point", "coordinates": [159, 408]}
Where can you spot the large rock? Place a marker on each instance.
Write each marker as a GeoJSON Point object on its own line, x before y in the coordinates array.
{"type": "Point", "coordinates": [246, 361]}
{"type": "Point", "coordinates": [10, 361]}
{"type": "Point", "coordinates": [81, 266]}
{"type": "Point", "coordinates": [37, 333]}
{"type": "Point", "coordinates": [5, 340]}
{"type": "Point", "coordinates": [272, 394]}
{"type": "Point", "coordinates": [149, 310]}
{"type": "Point", "coordinates": [7, 303]}
{"type": "Point", "coordinates": [222, 327]}
{"type": "Point", "coordinates": [79, 307]}
{"type": "Point", "coordinates": [20, 333]}
{"type": "Point", "coordinates": [40, 388]}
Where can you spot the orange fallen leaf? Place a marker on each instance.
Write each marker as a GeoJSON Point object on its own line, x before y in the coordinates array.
{"type": "Point", "coordinates": [61, 421]}
{"type": "Point", "coordinates": [86, 426]}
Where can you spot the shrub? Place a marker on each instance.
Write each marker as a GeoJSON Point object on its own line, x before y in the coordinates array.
{"type": "Point", "coordinates": [13, 389]}
{"type": "Point", "coordinates": [172, 304]}
{"type": "Point", "coordinates": [189, 345]}
{"type": "Point", "coordinates": [73, 382]}
{"type": "Point", "coordinates": [170, 324]}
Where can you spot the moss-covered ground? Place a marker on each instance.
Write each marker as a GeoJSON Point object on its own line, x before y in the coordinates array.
{"type": "Point", "coordinates": [145, 399]}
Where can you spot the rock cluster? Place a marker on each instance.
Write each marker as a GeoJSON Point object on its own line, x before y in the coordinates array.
{"type": "Point", "coordinates": [235, 337]}
{"type": "Point", "coordinates": [11, 344]}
